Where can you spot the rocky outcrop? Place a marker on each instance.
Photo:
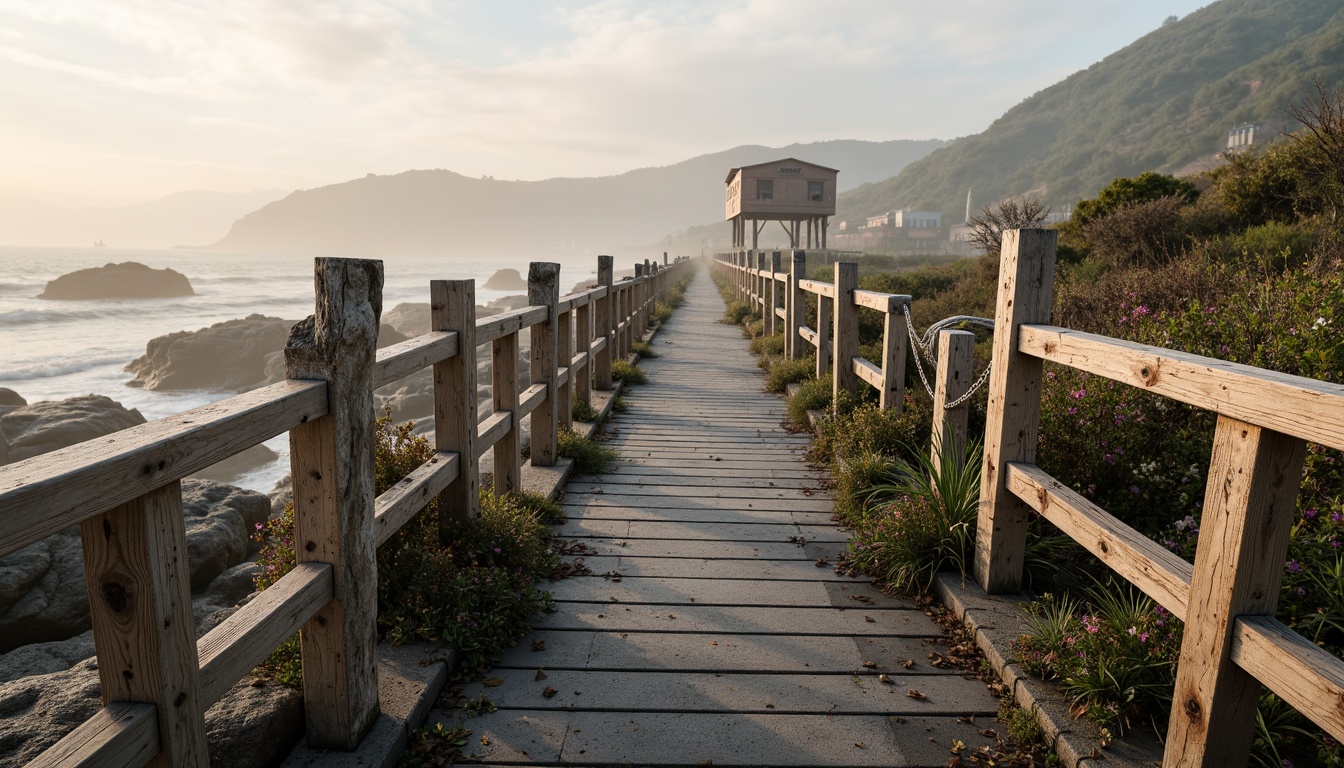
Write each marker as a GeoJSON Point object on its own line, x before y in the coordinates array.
{"type": "Point", "coordinates": [412, 318]}
{"type": "Point", "coordinates": [30, 430]}
{"type": "Point", "coordinates": [130, 280]}
{"type": "Point", "coordinates": [232, 356]}
{"type": "Point", "coordinates": [11, 399]}
{"type": "Point", "coordinates": [506, 280]}
{"type": "Point", "coordinates": [43, 596]}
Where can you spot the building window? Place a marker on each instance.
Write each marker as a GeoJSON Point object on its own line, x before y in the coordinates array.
{"type": "Point", "coordinates": [765, 189]}
{"type": "Point", "coordinates": [814, 191]}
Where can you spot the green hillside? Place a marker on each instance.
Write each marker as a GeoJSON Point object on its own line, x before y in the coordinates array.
{"type": "Point", "coordinates": [1163, 103]}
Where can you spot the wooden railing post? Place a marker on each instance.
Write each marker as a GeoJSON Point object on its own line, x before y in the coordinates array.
{"type": "Point", "coordinates": [1249, 506]}
{"type": "Point", "coordinates": [1026, 279]}
{"type": "Point", "coordinates": [895, 340]}
{"type": "Point", "coordinates": [581, 378]}
{"type": "Point", "coordinates": [846, 323]}
{"type": "Point", "coordinates": [795, 309]}
{"type": "Point", "coordinates": [504, 383]}
{"type": "Point", "coordinates": [823, 329]}
{"type": "Point", "coordinates": [452, 307]}
{"type": "Point", "coordinates": [331, 461]}
{"type": "Point", "coordinates": [564, 357]}
{"type": "Point", "coordinates": [956, 351]}
{"type": "Point", "coordinates": [637, 304]}
{"type": "Point", "coordinates": [543, 289]}
{"type": "Point", "coordinates": [772, 297]}
{"type": "Point", "coordinates": [758, 301]}
{"type": "Point", "coordinates": [603, 325]}
{"type": "Point", "coordinates": [135, 566]}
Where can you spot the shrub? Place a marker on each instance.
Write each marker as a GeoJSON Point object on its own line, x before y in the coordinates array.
{"type": "Point", "coordinates": [753, 328]}
{"type": "Point", "coordinates": [866, 428]}
{"type": "Point", "coordinates": [584, 412]}
{"type": "Point", "coordinates": [853, 477]}
{"type": "Point", "coordinates": [812, 395]}
{"type": "Point", "coordinates": [628, 373]}
{"type": "Point", "coordinates": [768, 346]}
{"type": "Point", "coordinates": [1144, 233]}
{"type": "Point", "coordinates": [737, 312]}
{"type": "Point", "coordinates": [786, 372]}
{"type": "Point", "coordinates": [926, 523]}
{"type": "Point", "coordinates": [662, 311]}
{"type": "Point", "coordinates": [590, 458]}
{"type": "Point", "coordinates": [644, 349]}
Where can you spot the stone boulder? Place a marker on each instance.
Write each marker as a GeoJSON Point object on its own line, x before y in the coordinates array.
{"type": "Point", "coordinates": [130, 280]}
{"type": "Point", "coordinates": [228, 356]}
{"type": "Point", "coordinates": [11, 399]}
{"type": "Point", "coordinates": [43, 596]}
{"type": "Point", "coordinates": [506, 280]}
{"type": "Point", "coordinates": [30, 430]}
{"type": "Point", "coordinates": [409, 319]}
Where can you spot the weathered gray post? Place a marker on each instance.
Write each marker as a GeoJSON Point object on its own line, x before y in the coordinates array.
{"type": "Point", "coordinates": [452, 307]}
{"type": "Point", "coordinates": [772, 299]}
{"type": "Point", "coordinates": [895, 340]}
{"type": "Point", "coordinates": [331, 461]}
{"type": "Point", "coordinates": [508, 448]}
{"type": "Point", "coordinates": [583, 336]}
{"type": "Point", "coordinates": [846, 329]}
{"type": "Point", "coordinates": [564, 358]}
{"type": "Point", "coordinates": [603, 325]}
{"type": "Point", "coordinates": [1026, 280]}
{"type": "Point", "coordinates": [956, 351]}
{"type": "Point", "coordinates": [543, 289]}
{"type": "Point", "coordinates": [796, 307]}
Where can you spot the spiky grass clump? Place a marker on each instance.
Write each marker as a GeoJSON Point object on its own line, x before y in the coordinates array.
{"type": "Point", "coordinates": [589, 457]}
{"type": "Point", "coordinates": [786, 372]}
{"type": "Point", "coordinates": [627, 373]}
{"type": "Point", "coordinates": [584, 412]}
{"type": "Point", "coordinates": [813, 395]}
{"type": "Point", "coordinates": [644, 349]}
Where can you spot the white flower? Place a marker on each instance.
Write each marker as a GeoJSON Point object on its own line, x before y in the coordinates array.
{"type": "Point", "coordinates": [1320, 322]}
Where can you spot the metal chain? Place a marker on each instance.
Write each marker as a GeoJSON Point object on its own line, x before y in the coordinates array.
{"type": "Point", "coordinates": [925, 345]}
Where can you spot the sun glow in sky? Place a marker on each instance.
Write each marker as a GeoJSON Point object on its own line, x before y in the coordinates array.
{"type": "Point", "coordinates": [117, 102]}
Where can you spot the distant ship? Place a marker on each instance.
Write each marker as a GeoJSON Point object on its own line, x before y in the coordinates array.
{"type": "Point", "coordinates": [99, 243]}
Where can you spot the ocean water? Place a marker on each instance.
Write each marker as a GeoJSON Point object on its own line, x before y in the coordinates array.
{"type": "Point", "coordinates": [51, 350]}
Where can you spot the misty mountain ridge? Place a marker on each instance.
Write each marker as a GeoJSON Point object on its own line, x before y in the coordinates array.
{"type": "Point", "coordinates": [1163, 103]}
{"type": "Point", "coordinates": [189, 217]}
{"type": "Point", "coordinates": [427, 211]}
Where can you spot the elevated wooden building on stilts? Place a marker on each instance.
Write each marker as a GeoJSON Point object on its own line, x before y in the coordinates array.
{"type": "Point", "coordinates": [799, 195]}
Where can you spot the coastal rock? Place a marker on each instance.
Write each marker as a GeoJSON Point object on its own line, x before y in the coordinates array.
{"type": "Point", "coordinates": [37, 711]}
{"type": "Point", "coordinates": [409, 319]}
{"type": "Point", "coordinates": [238, 464]}
{"type": "Point", "coordinates": [129, 280]}
{"type": "Point", "coordinates": [43, 596]}
{"type": "Point", "coordinates": [228, 356]}
{"type": "Point", "coordinates": [30, 430]}
{"type": "Point", "coordinates": [232, 356]}
{"type": "Point", "coordinates": [11, 399]}
{"type": "Point", "coordinates": [506, 280]}
{"type": "Point", "coordinates": [254, 725]}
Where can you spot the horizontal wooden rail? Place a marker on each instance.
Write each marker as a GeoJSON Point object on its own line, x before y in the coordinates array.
{"type": "Point", "coordinates": [890, 303]}
{"type": "Point", "coordinates": [398, 361]}
{"type": "Point", "coordinates": [1157, 571]}
{"type": "Point", "coordinates": [781, 313]}
{"type": "Point", "coordinates": [246, 638]}
{"type": "Point", "coordinates": [597, 346]}
{"type": "Point", "coordinates": [1307, 408]}
{"type": "Point", "coordinates": [868, 372]}
{"type": "Point", "coordinates": [530, 398]}
{"type": "Point", "coordinates": [808, 335]}
{"type": "Point", "coordinates": [46, 494]}
{"type": "Point", "coordinates": [818, 287]}
{"type": "Point", "coordinates": [123, 734]}
{"type": "Point", "coordinates": [498, 326]}
{"type": "Point", "coordinates": [398, 504]}
{"type": "Point", "coordinates": [1309, 678]}
{"type": "Point", "coordinates": [493, 427]}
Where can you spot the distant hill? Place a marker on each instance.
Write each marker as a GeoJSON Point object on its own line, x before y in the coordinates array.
{"type": "Point", "coordinates": [1163, 103]}
{"type": "Point", "coordinates": [192, 217]}
{"type": "Point", "coordinates": [442, 211]}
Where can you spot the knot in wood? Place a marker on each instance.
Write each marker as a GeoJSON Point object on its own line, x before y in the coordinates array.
{"type": "Point", "coordinates": [1147, 373]}
{"type": "Point", "coordinates": [116, 596]}
{"type": "Point", "coordinates": [1192, 707]}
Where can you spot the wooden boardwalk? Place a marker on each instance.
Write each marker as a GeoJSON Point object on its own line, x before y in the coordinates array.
{"type": "Point", "coordinates": [706, 632]}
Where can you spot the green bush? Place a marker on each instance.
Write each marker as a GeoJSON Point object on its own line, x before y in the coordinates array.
{"type": "Point", "coordinates": [737, 313]}
{"type": "Point", "coordinates": [644, 349]}
{"type": "Point", "coordinates": [590, 458]}
{"type": "Point", "coordinates": [662, 311]}
{"type": "Point", "coordinates": [628, 373]}
{"type": "Point", "coordinates": [866, 428]}
{"type": "Point", "coordinates": [583, 412]}
{"type": "Point", "coordinates": [812, 395]}
{"type": "Point", "coordinates": [785, 372]}
{"type": "Point", "coordinates": [853, 477]}
{"type": "Point", "coordinates": [753, 328]}
{"type": "Point", "coordinates": [768, 346]}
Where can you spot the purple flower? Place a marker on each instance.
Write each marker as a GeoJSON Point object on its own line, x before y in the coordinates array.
{"type": "Point", "coordinates": [1294, 566]}
{"type": "Point", "coordinates": [1309, 514]}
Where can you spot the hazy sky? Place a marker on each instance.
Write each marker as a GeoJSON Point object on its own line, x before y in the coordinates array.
{"type": "Point", "coordinates": [124, 101]}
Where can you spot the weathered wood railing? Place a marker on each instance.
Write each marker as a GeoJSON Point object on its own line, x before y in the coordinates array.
{"type": "Point", "coordinates": [781, 299]}
{"type": "Point", "coordinates": [1227, 599]}
{"type": "Point", "coordinates": [124, 491]}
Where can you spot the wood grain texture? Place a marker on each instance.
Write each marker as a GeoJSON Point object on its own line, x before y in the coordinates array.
{"type": "Point", "coordinates": [817, 287]}
{"type": "Point", "coordinates": [492, 427]}
{"type": "Point", "coordinates": [795, 302]}
{"type": "Point", "coordinates": [508, 448]}
{"type": "Point", "coordinates": [543, 289]}
{"type": "Point", "coordinates": [397, 505]}
{"type": "Point", "coordinates": [120, 735]}
{"type": "Point", "coordinates": [564, 387]}
{"type": "Point", "coordinates": [823, 339]}
{"type": "Point", "coordinates": [1026, 278]}
{"type": "Point", "coordinates": [582, 384]}
{"type": "Point", "coordinates": [895, 339]}
{"type": "Point", "coordinates": [845, 322]}
{"type": "Point", "coordinates": [602, 326]}
{"type": "Point", "coordinates": [887, 303]}
{"type": "Point", "coordinates": [401, 360]}
{"type": "Point", "coordinates": [531, 399]}
{"type": "Point", "coordinates": [46, 494]}
{"type": "Point", "coordinates": [331, 462]}
{"type": "Point", "coordinates": [497, 326]}
{"type": "Point", "coordinates": [452, 308]}
{"type": "Point", "coordinates": [242, 641]}
{"type": "Point", "coordinates": [1307, 408]}
{"type": "Point", "coordinates": [1308, 677]}
{"type": "Point", "coordinates": [136, 569]}
{"type": "Point", "coordinates": [1159, 572]}
{"type": "Point", "coordinates": [1249, 505]}
{"type": "Point", "coordinates": [956, 355]}
{"type": "Point", "coordinates": [869, 373]}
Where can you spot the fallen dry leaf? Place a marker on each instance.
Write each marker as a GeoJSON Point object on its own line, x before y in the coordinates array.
{"type": "Point", "coordinates": [541, 675]}
{"type": "Point", "coordinates": [957, 746]}
{"type": "Point", "coordinates": [870, 664]}
{"type": "Point", "coordinates": [909, 664]}
{"type": "Point", "coordinates": [915, 694]}
{"type": "Point", "coordinates": [538, 645]}
{"type": "Point", "coordinates": [886, 679]}
{"type": "Point", "coordinates": [820, 563]}
{"type": "Point", "coordinates": [870, 619]}
{"type": "Point", "coordinates": [493, 682]}
{"type": "Point", "coordinates": [549, 692]}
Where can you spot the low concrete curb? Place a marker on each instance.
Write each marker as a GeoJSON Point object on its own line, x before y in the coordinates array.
{"type": "Point", "coordinates": [996, 621]}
